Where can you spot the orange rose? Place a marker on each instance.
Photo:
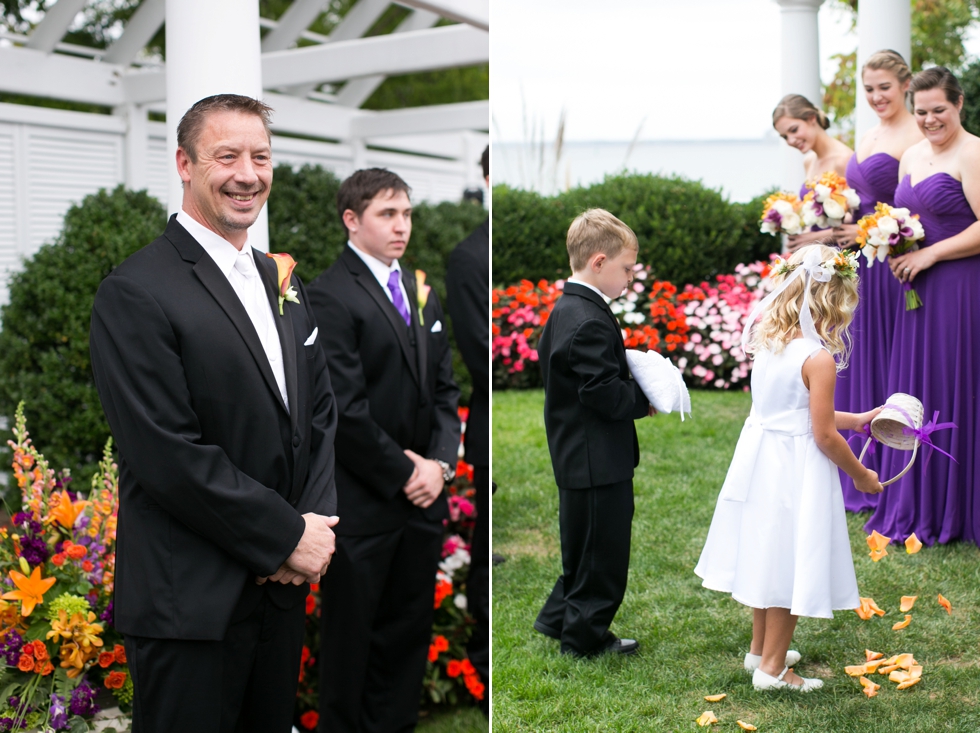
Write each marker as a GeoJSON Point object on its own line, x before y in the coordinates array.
{"type": "Point", "coordinates": [115, 680]}
{"type": "Point", "coordinates": [58, 559]}
{"type": "Point", "coordinates": [40, 651]}
{"type": "Point", "coordinates": [119, 652]}
{"type": "Point", "coordinates": [106, 659]}
{"type": "Point", "coordinates": [47, 669]}
{"type": "Point", "coordinates": [26, 663]}
{"type": "Point", "coordinates": [87, 566]}
{"type": "Point", "coordinates": [76, 552]}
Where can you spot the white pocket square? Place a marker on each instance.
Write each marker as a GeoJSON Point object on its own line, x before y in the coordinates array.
{"type": "Point", "coordinates": [312, 338]}
{"type": "Point", "coordinates": [437, 327]}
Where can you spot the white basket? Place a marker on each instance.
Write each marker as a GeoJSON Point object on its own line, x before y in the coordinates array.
{"type": "Point", "coordinates": [888, 428]}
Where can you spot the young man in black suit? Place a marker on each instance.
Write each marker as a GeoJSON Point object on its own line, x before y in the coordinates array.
{"type": "Point", "coordinates": [397, 442]}
{"type": "Point", "coordinates": [589, 407]}
{"type": "Point", "coordinates": [223, 413]}
{"type": "Point", "coordinates": [468, 300]}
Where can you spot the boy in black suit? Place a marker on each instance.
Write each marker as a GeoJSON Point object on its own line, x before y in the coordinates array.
{"type": "Point", "coordinates": [589, 407]}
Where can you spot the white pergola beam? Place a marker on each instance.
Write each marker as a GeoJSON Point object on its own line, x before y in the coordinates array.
{"type": "Point", "coordinates": [472, 12]}
{"type": "Point", "coordinates": [418, 120]}
{"type": "Point", "coordinates": [291, 25]}
{"type": "Point", "coordinates": [357, 91]}
{"type": "Point", "coordinates": [359, 20]}
{"type": "Point", "coordinates": [140, 29]}
{"type": "Point", "coordinates": [303, 117]}
{"type": "Point", "coordinates": [402, 53]}
{"type": "Point", "coordinates": [40, 74]}
{"type": "Point", "coordinates": [54, 25]}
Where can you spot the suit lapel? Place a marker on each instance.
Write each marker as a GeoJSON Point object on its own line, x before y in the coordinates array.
{"type": "Point", "coordinates": [589, 294]}
{"type": "Point", "coordinates": [420, 329]}
{"type": "Point", "coordinates": [366, 280]}
{"type": "Point", "coordinates": [217, 284]}
{"type": "Point", "coordinates": [284, 325]}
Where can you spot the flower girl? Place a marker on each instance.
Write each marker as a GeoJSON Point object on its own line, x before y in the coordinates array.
{"type": "Point", "coordinates": [778, 541]}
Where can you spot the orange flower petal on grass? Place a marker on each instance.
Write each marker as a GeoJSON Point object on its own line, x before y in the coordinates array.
{"type": "Point", "coordinates": [856, 670]}
{"type": "Point", "coordinates": [912, 544]}
{"type": "Point", "coordinates": [868, 608]}
{"type": "Point", "coordinates": [715, 698]}
{"type": "Point", "coordinates": [903, 624]}
{"type": "Point", "coordinates": [905, 661]}
{"type": "Point", "coordinates": [887, 669]}
{"type": "Point", "coordinates": [877, 541]}
{"type": "Point", "coordinates": [915, 671]}
{"type": "Point", "coordinates": [870, 689]}
{"type": "Point", "coordinates": [945, 604]}
{"type": "Point", "coordinates": [909, 682]}
{"type": "Point", "coordinates": [873, 665]}
{"type": "Point", "coordinates": [871, 656]}
{"type": "Point", "coordinates": [874, 607]}
{"type": "Point", "coordinates": [745, 726]}
{"type": "Point", "coordinates": [907, 603]}
{"type": "Point", "coordinates": [876, 555]}
{"type": "Point", "coordinates": [706, 718]}
{"type": "Point", "coordinates": [898, 676]}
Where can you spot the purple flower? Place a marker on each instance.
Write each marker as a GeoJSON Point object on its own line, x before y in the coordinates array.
{"type": "Point", "coordinates": [106, 615]}
{"type": "Point", "coordinates": [83, 700]}
{"type": "Point", "coordinates": [10, 648]}
{"type": "Point", "coordinates": [59, 716]}
{"type": "Point", "coordinates": [773, 216]}
{"type": "Point", "coordinates": [34, 550]}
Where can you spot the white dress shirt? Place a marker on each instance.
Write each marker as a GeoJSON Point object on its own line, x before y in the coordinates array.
{"type": "Point", "coordinates": [382, 272]}
{"type": "Point", "coordinates": [590, 287]}
{"type": "Point", "coordinates": [239, 267]}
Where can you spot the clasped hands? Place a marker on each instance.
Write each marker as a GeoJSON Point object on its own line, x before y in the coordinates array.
{"type": "Point", "coordinates": [312, 555]}
{"type": "Point", "coordinates": [425, 484]}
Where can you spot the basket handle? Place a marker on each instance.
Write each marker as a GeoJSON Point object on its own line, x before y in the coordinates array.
{"type": "Point", "coordinates": [915, 450]}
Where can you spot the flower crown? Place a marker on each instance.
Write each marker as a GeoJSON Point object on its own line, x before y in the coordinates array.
{"type": "Point", "coordinates": [844, 264]}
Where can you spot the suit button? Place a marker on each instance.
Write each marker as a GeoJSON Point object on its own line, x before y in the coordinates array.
{"type": "Point", "coordinates": [296, 441]}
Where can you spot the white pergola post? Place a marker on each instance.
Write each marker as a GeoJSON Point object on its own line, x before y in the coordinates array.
{"type": "Point", "coordinates": [882, 24]}
{"type": "Point", "coordinates": [213, 47]}
{"type": "Point", "coordinates": [137, 142]}
{"type": "Point", "coordinates": [800, 60]}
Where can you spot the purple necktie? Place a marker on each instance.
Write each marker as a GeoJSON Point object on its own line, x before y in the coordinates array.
{"type": "Point", "coordinates": [396, 297]}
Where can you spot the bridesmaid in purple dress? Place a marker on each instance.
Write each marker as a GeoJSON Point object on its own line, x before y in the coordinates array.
{"type": "Point", "coordinates": [804, 127]}
{"type": "Point", "coordinates": [936, 350]}
{"type": "Point", "coordinates": [873, 173]}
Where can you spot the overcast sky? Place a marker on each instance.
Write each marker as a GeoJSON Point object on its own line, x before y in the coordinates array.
{"type": "Point", "coordinates": [694, 69]}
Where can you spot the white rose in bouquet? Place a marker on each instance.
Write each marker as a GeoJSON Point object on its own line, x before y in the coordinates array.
{"type": "Point", "coordinates": [853, 200]}
{"type": "Point", "coordinates": [833, 210]}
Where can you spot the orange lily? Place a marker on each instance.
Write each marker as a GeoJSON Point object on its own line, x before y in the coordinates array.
{"type": "Point", "coordinates": [30, 591]}
{"type": "Point", "coordinates": [284, 269]}
{"type": "Point", "coordinates": [912, 544]}
{"type": "Point", "coordinates": [706, 718]}
{"type": "Point", "coordinates": [903, 624]}
{"type": "Point", "coordinates": [878, 541]}
{"type": "Point", "coordinates": [907, 603]}
{"type": "Point", "coordinates": [64, 511]}
{"type": "Point", "coordinates": [715, 698]}
{"type": "Point", "coordinates": [942, 602]}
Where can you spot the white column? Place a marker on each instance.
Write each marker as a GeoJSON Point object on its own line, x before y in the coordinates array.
{"type": "Point", "coordinates": [212, 48]}
{"type": "Point", "coordinates": [137, 142]}
{"type": "Point", "coordinates": [882, 24]}
{"type": "Point", "coordinates": [800, 73]}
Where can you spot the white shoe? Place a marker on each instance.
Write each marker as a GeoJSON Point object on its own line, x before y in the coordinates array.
{"type": "Point", "coordinates": [752, 661]}
{"type": "Point", "coordinates": [763, 681]}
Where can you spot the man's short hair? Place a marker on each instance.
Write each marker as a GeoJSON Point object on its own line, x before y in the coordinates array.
{"type": "Point", "coordinates": [192, 123]}
{"type": "Point", "coordinates": [597, 231]}
{"type": "Point", "coordinates": [485, 161]}
{"type": "Point", "coordinates": [357, 192]}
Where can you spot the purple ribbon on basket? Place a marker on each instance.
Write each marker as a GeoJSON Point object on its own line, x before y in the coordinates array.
{"type": "Point", "coordinates": [861, 433]}
{"type": "Point", "coordinates": [923, 433]}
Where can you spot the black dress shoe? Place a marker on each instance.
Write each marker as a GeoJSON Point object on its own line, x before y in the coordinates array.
{"type": "Point", "coordinates": [547, 630]}
{"type": "Point", "coordinates": [622, 646]}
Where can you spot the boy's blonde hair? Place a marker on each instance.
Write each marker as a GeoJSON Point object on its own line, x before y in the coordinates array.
{"type": "Point", "coordinates": [597, 231]}
{"type": "Point", "coordinates": [832, 305]}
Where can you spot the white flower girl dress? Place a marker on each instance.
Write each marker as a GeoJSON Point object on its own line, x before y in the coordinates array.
{"type": "Point", "coordinates": [779, 534]}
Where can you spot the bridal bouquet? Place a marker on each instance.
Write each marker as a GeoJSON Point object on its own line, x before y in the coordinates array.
{"type": "Point", "coordinates": [56, 571]}
{"type": "Point", "coordinates": [890, 231]}
{"type": "Point", "coordinates": [781, 214]}
{"type": "Point", "coordinates": [828, 201]}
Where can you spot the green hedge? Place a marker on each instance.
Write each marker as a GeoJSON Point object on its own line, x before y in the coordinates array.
{"type": "Point", "coordinates": [687, 232]}
{"type": "Point", "coordinates": [44, 355]}
{"type": "Point", "coordinates": [970, 81]}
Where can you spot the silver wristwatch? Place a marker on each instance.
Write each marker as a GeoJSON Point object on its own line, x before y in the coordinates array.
{"type": "Point", "coordinates": [448, 471]}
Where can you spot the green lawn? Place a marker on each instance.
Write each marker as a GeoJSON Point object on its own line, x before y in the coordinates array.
{"type": "Point", "coordinates": [453, 720]}
{"type": "Point", "coordinates": [693, 639]}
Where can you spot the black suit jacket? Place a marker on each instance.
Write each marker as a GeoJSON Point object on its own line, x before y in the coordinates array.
{"type": "Point", "coordinates": [590, 400]}
{"type": "Point", "coordinates": [386, 399]}
{"type": "Point", "coordinates": [214, 473]}
{"type": "Point", "coordinates": [468, 301]}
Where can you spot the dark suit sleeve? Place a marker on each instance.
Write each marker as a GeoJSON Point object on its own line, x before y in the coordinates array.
{"type": "Point", "coordinates": [320, 490]}
{"type": "Point", "coordinates": [444, 444]}
{"type": "Point", "coordinates": [468, 300]}
{"type": "Point", "coordinates": [592, 357]}
{"type": "Point", "coordinates": [376, 459]}
{"type": "Point", "coordinates": [143, 388]}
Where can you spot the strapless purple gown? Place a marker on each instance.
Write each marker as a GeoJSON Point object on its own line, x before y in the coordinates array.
{"type": "Point", "coordinates": [935, 356]}
{"type": "Point", "coordinates": [861, 386]}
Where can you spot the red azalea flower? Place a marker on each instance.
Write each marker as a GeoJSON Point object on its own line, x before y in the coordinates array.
{"type": "Point", "coordinates": [475, 687]}
{"type": "Point", "coordinates": [454, 668]}
{"type": "Point", "coordinates": [309, 719]}
{"type": "Point", "coordinates": [467, 667]}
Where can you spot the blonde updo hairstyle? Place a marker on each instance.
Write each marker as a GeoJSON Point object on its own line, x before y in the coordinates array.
{"type": "Point", "coordinates": [890, 61]}
{"type": "Point", "coordinates": [799, 108]}
{"type": "Point", "coordinates": [832, 305]}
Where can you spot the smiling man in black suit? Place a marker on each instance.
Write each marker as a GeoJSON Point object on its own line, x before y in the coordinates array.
{"type": "Point", "coordinates": [219, 399]}
{"type": "Point", "coordinates": [397, 442]}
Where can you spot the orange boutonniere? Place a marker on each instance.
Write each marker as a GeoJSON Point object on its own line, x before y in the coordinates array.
{"type": "Point", "coordinates": [284, 264]}
{"type": "Point", "coordinates": [423, 292]}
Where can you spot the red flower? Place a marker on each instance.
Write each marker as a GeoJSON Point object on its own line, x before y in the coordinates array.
{"type": "Point", "coordinates": [87, 566]}
{"type": "Point", "coordinates": [40, 651]}
{"type": "Point", "coordinates": [314, 587]}
{"type": "Point", "coordinates": [454, 668]}
{"type": "Point", "coordinates": [474, 685]}
{"type": "Point", "coordinates": [58, 559]}
{"type": "Point", "coordinates": [119, 652]}
{"type": "Point", "coordinates": [310, 603]}
{"type": "Point", "coordinates": [115, 680]}
{"type": "Point", "coordinates": [309, 719]}
{"type": "Point", "coordinates": [106, 659]}
{"type": "Point", "coordinates": [75, 552]}
{"type": "Point", "coordinates": [467, 666]}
